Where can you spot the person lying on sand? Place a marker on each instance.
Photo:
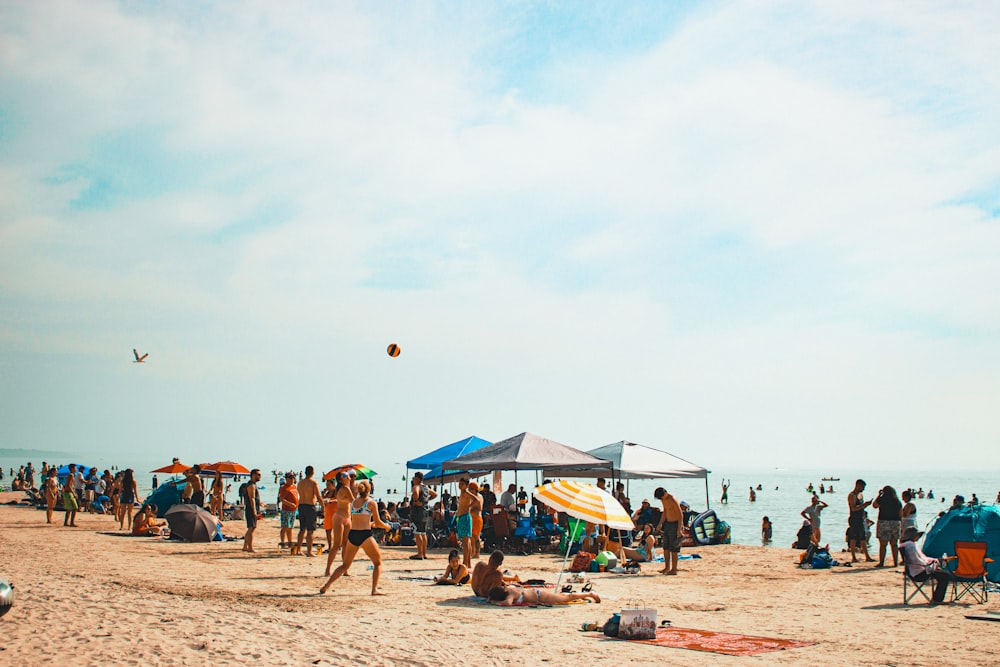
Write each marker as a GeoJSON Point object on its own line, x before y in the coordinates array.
{"type": "Point", "coordinates": [508, 596]}
{"type": "Point", "coordinates": [488, 575]}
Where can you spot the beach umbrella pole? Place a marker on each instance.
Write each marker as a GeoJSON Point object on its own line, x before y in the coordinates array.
{"type": "Point", "coordinates": [569, 545]}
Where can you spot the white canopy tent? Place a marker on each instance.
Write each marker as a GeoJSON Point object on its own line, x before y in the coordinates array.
{"type": "Point", "coordinates": [634, 461]}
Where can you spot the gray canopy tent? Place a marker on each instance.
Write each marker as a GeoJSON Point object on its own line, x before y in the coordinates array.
{"type": "Point", "coordinates": [634, 461]}
{"type": "Point", "coordinates": [527, 451]}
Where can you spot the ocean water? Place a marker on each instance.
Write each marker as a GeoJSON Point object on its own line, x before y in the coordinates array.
{"type": "Point", "coordinates": [782, 497]}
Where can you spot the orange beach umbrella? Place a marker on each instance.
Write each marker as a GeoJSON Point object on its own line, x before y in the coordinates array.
{"type": "Point", "coordinates": [174, 468]}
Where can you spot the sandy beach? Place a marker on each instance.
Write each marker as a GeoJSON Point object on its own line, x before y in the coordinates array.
{"type": "Point", "coordinates": [94, 596]}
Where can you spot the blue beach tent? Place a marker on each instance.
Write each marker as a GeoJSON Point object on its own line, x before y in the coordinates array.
{"type": "Point", "coordinates": [975, 523]}
{"type": "Point", "coordinates": [166, 496]}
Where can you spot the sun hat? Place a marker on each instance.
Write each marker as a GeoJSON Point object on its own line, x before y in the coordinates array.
{"type": "Point", "coordinates": [911, 534]}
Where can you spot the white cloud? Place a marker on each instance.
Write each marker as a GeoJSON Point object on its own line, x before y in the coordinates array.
{"type": "Point", "coordinates": [756, 218]}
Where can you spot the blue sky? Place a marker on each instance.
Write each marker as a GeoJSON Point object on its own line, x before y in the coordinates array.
{"type": "Point", "coordinates": [747, 234]}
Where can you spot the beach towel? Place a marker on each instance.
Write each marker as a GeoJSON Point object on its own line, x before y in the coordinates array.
{"type": "Point", "coordinates": [715, 642]}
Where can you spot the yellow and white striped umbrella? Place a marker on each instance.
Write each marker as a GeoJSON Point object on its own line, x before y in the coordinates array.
{"type": "Point", "coordinates": [585, 501]}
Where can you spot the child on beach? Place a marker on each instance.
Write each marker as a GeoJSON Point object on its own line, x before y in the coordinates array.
{"type": "Point", "coordinates": [765, 530]}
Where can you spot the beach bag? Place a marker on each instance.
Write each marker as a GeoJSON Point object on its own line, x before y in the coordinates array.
{"type": "Point", "coordinates": [612, 626]}
{"type": "Point", "coordinates": [822, 559]}
{"type": "Point", "coordinates": [637, 621]}
{"type": "Point", "coordinates": [581, 562]}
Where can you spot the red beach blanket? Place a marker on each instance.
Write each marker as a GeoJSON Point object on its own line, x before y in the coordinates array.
{"type": "Point", "coordinates": [718, 642]}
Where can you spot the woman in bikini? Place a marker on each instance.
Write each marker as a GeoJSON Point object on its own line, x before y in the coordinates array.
{"type": "Point", "coordinates": [215, 496]}
{"type": "Point", "coordinates": [509, 596]}
{"type": "Point", "coordinates": [342, 521]}
{"type": "Point", "coordinates": [364, 515]}
{"type": "Point", "coordinates": [51, 493]}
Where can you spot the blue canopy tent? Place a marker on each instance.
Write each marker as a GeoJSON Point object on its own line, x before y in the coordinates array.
{"type": "Point", "coordinates": [432, 461]}
{"type": "Point", "coordinates": [63, 471]}
{"type": "Point", "coordinates": [973, 523]}
{"type": "Point", "coordinates": [441, 454]}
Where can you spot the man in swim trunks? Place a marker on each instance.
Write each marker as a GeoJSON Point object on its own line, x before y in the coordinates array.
{"type": "Point", "coordinates": [309, 495]}
{"type": "Point", "coordinates": [251, 496]}
{"type": "Point", "coordinates": [463, 520]}
{"type": "Point", "coordinates": [421, 495]}
{"type": "Point", "coordinates": [673, 530]}
{"type": "Point", "coordinates": [288, 495]}
{"type": "Point", "coordinates": [856, 505]}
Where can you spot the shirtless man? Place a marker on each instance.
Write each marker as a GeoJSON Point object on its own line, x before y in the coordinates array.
{"type": "Point", "coordinates": [309, 495]}
{"type": "Point", "coordinates": [463, 519]}
{"type": "Point", "coordinates": [488, 575]}
{"type": "Point", "coordinates": [671, 522]}
{"type": "Point", "coordinates": [193, 490]}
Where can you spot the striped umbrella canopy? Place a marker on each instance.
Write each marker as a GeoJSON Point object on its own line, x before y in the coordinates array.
{"type": "Point", "coordinates": [585, 501]}
{"type": "Point", "coordinates": [362, 471]}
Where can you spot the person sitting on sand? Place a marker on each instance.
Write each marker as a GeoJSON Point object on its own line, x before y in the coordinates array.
{"type": "Point", "coordinates": [645, 550]}
{"type": "Point", "coordinates": [364, 516]}
{"type": "Point", "coordinates": [456, 573]}
{"type": "Point", "coordinates": [488, 575]}
{"type": "Point", "coordinates": [145, 522]}
{"type": "Point", "coordinates": [803, 538]}
{"type": "Point", "coordinates": [509, 596]}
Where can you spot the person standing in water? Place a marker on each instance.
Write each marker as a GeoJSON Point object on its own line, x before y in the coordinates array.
{"type": "Point", "coordinates": [725, 493]}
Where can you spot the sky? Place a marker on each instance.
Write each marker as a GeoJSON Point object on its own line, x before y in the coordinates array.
{"type": "Point", "coordinates": [749, 234]}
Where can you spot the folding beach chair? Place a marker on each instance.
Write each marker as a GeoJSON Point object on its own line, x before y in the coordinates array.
{"type": "Point", "coordinates": [969, 575]}
{"type": "Point", "coordinates": [501, 528]}
{"type": "Point", "coordinates": [918, 586]}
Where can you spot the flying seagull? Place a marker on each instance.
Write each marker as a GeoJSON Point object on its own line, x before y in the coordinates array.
{"type": "Point", "coordinates": [138, 359]}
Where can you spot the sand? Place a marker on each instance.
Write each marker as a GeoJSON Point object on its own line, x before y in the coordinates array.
{"type": "Point", "coordinates": [91, 596]}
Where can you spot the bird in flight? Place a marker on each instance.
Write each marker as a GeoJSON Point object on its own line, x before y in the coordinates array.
{"type": "Point", "coordinates": [138, 359]}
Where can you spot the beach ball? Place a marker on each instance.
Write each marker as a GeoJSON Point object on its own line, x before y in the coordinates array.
{"type": "Point", "coordinates": [393, 350]}
{"type": "Point", "coordinates": [6, 596]}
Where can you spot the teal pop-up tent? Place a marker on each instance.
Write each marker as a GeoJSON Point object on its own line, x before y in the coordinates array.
{"type": "Point", "coordinates": [975, 523]}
